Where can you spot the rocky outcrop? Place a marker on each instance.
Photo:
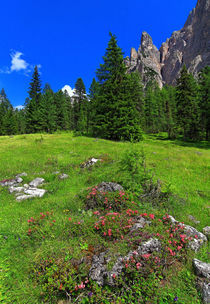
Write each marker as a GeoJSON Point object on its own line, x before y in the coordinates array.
{"type": "Point", "coordinates": [146, 61]}
{"type": "Point", "coordinates": [189, 46]}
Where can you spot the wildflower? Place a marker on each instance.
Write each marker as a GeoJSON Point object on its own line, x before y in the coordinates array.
{"type": "Point", "coordinates": [152, 216]}
{"type": "Point", "coordinates": [109, 232]}
{"type": "Point", "coordinates": [126, 265]}
{"type": "Point", "coordinates": [175, 299]}
{"type": "Point", "coordinates": [69, 218]}
{"type": "Point", "coordinates": [61, 286]}
{"type": "Point", "coordinates": [104, 233]}
{"type": "Point", "coordinates": [114, 275]}
{"type": "Point", "coordinates": [196, 236]}
{"type": "Point", "coordinates": [138, 265]}
{"type": "Point", "coordinates": [146, 256]}
{"type": "Point", "coordinates": [90, 294]}
{"type": "Point", "coordinates": [179, 247]}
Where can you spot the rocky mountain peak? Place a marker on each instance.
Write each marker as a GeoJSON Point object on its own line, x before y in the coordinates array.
{"type": "Point", "coordinates": [189, 46]}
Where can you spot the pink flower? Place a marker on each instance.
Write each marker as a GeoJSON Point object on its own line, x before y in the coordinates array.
{"type": "Point", "coordinates": [69, 218]}
{"type": "Point", "coordinates": [138, 265]}
{"type": "Point", "coordinates": [126, 265]}
{"type": "Point", "coordinates": [109, 232]}
{"type": "Point", "coordinates": [152, 216]}
{"type": "Point", "coordinates": [179, 247]}
{"type": "Point", "coordinates": [146, 256]}
{"type": "Point", "coordinates": [104, 233]}
{"type": "Point", "coordinates": [114, 275]}
{"type": "Point", "coordinates": [196, 236]}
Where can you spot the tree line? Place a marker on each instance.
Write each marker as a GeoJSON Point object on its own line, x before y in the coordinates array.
{"type": "Point", "coordinates": [117, 107]}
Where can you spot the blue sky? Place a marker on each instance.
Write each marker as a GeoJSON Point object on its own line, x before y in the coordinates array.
{"type": "Point", "coordinates": [67, 39]}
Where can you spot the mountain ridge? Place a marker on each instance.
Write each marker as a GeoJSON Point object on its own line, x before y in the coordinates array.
{"type": "Point", "coordinates": [189, 46]}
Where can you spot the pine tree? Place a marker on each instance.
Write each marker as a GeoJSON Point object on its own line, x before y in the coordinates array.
{"type": "Point", "coordinates": [32, 104]}
{"type": "Point", "coordinates": [116, 115]}
{"type": "Point", "coordinates": [187, 105]}
{"type": "Point", "coordinates": [204, 102]}
{"type": "Point", "coordinates": [35, 86]}
{"type": "Point", "coordinates": [47, 110]}
{"type": "Point", "coordinates": [61, 106]}
{"type": "Point", "coordinates": [80, 107]}
{"type": "Point", "coordinates": [91, 110]}
{"type": "Point", "coordinates": [7, 122]}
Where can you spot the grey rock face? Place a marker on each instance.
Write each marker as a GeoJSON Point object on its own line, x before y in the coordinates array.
{"type": "Point", "coordinates": [146, 61]}
{"type": "Point", "coordinates": [99, 273]}
{"type": "Point", "coordinates": [36, 182]}
{"type": "Point", "coordinates": [202, 269]}
{"type": "Point", "coordinates": [109, 187]}
{"type": "Point", "coordinates": [206, 293]}
{"type": "Point", "coordinates": [197, 241]}
{"type": "Point", "coordinates": [189, 46]}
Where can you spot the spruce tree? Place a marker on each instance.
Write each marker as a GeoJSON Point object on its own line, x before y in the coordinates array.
{"type": "Point", "coordinates": [32, 104]}
{"type": "Point", "coordinates": [187, 105]}
{"type": "Point", "coordinates": [80, 107]}
{"type": "Point", "coordinates": [116, 114]}
{"type": "Point", "coordinates": [204, 101]}
{"type": "Point", "coordinates": [47, 110]}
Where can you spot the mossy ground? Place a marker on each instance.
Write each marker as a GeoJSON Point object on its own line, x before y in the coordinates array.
{"type": "Point", "coordinates": [182, 167]}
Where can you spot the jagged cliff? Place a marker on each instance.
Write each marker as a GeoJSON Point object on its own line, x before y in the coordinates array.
{"type": "Point", "coordinates": [190, 46]}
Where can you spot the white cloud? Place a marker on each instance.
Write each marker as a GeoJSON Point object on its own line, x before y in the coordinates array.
{"type": "Point", "coordinates": [18, 64]}
{"type": "Point", "coordinates": [19, 107]}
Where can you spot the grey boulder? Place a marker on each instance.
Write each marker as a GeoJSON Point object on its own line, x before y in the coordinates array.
{"type": "Point", "coordinates": [36, 182]}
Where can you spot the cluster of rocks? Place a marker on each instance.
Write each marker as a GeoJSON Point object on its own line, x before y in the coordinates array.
{"type": "Point", "coordinates": [202, 270]}
{"type": "Point", "coordinates": [99, 268]}
{"type": "Point", "coordinates": [195, 243]}
{"type": "Point", "coordinates": [90, 162]}
{"type": "Point", "coordinates": [27, 190]}
{"type": "Point", "coordinates": [99, 273]}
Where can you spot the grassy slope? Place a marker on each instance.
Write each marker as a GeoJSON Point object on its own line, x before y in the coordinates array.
{"type": "Point", "coordinates": [185, 168]}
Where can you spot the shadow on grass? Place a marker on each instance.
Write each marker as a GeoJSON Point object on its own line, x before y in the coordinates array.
{"type": "Point", "coordinates": [179, 142]}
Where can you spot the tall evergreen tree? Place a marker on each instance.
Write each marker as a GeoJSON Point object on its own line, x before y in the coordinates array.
{"type": "Point", "coordinates": [116, 115]}
{"type": "Point", "coordinates": [187, 105]}
{"type": "Point", "coordinates": [47, 110]}
{"type": "Point", "coordinates": [80, 106]}
{"type": "Point", "coordinates": [32, 104]}
{"type": "Point", "coordinates": [204, 102]}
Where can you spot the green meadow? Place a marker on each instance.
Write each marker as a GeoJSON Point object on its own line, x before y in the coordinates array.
{"type": "Point", "coordinates": [182, 170]}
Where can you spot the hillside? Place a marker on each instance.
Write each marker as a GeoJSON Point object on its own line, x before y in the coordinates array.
{"type": "Point", "coordinates": [43, 239]}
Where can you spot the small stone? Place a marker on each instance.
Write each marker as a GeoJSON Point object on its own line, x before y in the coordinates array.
{"type": "Point", "coordinates": [35, 192]}
{"type": "Point", "coordinates": [36, 182]}
{"type": "Point", "coordinates": [21, 174]}
{"type": "Point", "coordinates": [202, 269]}
{"type": "Point", "coordinates": [109, 187]}
{"type": "Point", "coordinates": [193, 219]}
{"type": "Point", "coordinates": [23, 197]}
{"type": "Point", "coordinates": [16, 189]}
{"type": "Point", "coordinates": [89, 163]}
{"type": "Point", "coordinates": [19, 180]}
{"type": "Point", "coordinates": [63, 176]}
{"type": "Point", "coordinates": [56, 172]}
{"type": "Point", "coordinates": [206, 231]}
